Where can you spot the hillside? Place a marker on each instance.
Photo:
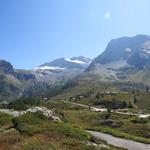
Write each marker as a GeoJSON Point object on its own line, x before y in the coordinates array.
{"type": "Point", "coordinates": [125, 59]}
{"type": "Point", "coordinates": [45, 80]}
{"type": "Point", "coordinates": [124, 66]}
{"type": "Point", "coordinates": [61, 70]}
{"type": "Point", "coordinates": [12, 82]}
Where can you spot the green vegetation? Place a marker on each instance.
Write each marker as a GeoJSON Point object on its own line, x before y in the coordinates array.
{"type": "Point", "coordinates": [143, 101]}
{"type": "Point", "coordinates": [31, 124]}
{"type": "Point", "coordinates": [116, 124]}
{"type": "Point", "coordinates": [35, 131]}
{"type": "Point", "coordinates": [9, 87]}
{"type": "Point", "coordinates": [135, 100]}
{"type": "Point", "coordinates": [5, 120]}
{"type": "Point", "coordinates": [24, 103]}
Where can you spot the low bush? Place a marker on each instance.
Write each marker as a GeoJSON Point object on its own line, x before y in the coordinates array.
{"type": "Point", "coordinates": [140, 120]}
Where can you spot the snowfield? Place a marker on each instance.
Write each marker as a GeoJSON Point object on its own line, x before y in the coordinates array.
{"type": "Point", "coordinates": [49, 68]}
{"type": "Point", "coordinates": [75, 61]}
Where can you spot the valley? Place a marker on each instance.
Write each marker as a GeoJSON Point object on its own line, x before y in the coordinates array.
{"type": "Point", "coordinates": [78, 117]}
{"type": "Point", "coordinates": [79, 103]}
{"type": "Point", "coordinates": [74, 75]}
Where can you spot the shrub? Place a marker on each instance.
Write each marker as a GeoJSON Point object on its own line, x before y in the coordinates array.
{"type": "Point", "coordinates": [140, 120]}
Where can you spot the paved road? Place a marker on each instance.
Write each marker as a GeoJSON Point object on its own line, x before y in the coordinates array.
{"type": "Point", "coordinates": [119, 142]}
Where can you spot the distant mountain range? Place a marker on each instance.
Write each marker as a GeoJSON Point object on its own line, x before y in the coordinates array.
{"type": "Point", "coordinates": [125, 60]}
{"type": "Point", "coordinates": [72, 63]}
{"type": "Point", "coordinates": [16, 82]}
{"type": "Point", "coordinates": [61, 70]}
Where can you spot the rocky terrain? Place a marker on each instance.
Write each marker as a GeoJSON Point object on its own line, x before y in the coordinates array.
{"type": "Point", "coordinates": [15, 83]}
{"type": "Point", "coordinates": [46, 112]}
{"type": "Point", "coordinates": [124, 65]}
{"type": "Point", "coordinates": [12, 81]}
{"type": "Point", "coordinates": [126, 59]}
{"type": "Point", "coordinates": [61, 70]}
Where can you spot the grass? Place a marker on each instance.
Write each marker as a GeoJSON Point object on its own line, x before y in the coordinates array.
{"type": "Point", "coordinates": [143, 102]}
{"type": "Point", "coordinates": [31, 124]}
{"type": "Point", "coordinates": [124, 125]}
{"type": "Point", "coordinates": [35, 131]}
{"type": "Point", "coordinates": [8, 141]}
{"type": "Point", "coordinates": [55, 142]}
{"type": "Point", "coordinates": [5, 120]}
{"type": "Point", "coordinates": [81, 117]}
{"type": "Point", "coordinates": [91, 120]}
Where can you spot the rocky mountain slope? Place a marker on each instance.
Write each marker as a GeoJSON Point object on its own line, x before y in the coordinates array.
{"type": "Point", "coordinates": [12, 82]}
{"type": "Point", "coordinates": [125, 62]}
{"type": "Point", "coordinates": [46, 79]}
{"type": "Point", "coordinates": [124, 59]}
{"type": "Point", "coordinates": [61, 70]}
{"type": "Point", "coordinates": [123, 66]}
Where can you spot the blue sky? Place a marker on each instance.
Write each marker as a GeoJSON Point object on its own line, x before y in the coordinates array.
{"type": "Point", "coordinates": [36, 31]}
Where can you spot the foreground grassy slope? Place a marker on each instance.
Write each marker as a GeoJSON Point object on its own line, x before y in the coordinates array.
{"type": "Point", "coordinates": [113, 123]}
{"type": "Point", "coordinates": [34, 131]}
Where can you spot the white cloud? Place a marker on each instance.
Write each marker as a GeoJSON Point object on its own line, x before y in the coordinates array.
{"type": "Point", "coordinates": [107, 15]}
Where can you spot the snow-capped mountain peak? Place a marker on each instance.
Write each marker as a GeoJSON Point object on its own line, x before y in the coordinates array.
{"type": "Point", "coordinates": [62, 68]}
{"type": "Point", "coordinates": [66, 63]}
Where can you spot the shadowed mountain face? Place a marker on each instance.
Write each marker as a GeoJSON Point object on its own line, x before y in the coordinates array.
{"type": "Point", "coordinates": [134, 50]}
{"type": "Point", "coordinates": [12, 81]}
{"type": "Point", "coordinates": [124, 59]}
{"type": "Point", "coordinates": [16, 82]}
{"type": "Point", "coordinates": [6, 67]}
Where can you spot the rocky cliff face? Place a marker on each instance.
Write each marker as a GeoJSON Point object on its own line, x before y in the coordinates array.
{"type": "Point", "coordinates": [12, 81]}
{"type": "Point", "coordinates": [134, 50]}
{"type": "Point", "coordinates": [124, 59]}
{"type": "Point", "coordinates": [6, 67]}
{"type": "Point", "coordinates": [24, 75]}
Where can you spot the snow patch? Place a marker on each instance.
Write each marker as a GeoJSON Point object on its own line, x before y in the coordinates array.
{"type": "Point", "coordinates": [146, 51]}
{"type": "Point", "coordinates": [48, 68]}
{"type": "Point", "coordinates": [75, 61]}
{"type": "Point", "coordinates": [128, 50]}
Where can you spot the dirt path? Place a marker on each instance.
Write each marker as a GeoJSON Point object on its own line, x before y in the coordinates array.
{"type": "Point", "coordinates": [96, 109]}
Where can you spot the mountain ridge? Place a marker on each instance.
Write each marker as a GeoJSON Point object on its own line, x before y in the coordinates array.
{"type": "Point", "coordinates": [125, 62]}
{"type": "Point", "coordinates": [124, 47]}
{"type": "Point", "coordinates": [124, 59]}
{"type": "Point", "coordinates": [18, 82]}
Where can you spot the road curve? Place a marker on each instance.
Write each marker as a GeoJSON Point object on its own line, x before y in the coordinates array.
{"type": "Point", "coordinates": [96, 109]}
{"type": "Point", "coordinates": [120, 142]}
